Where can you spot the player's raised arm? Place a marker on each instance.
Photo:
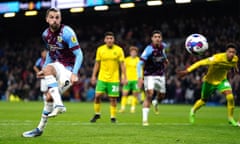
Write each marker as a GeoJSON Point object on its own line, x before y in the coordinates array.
{"type": "Point", "coordinates": [203, 62]}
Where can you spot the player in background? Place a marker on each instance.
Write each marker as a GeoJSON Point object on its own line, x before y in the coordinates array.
{"type": "Point", "coordinates": [131, 66]}
{"type": "Point", "coordinates": [40, 61]}
{"type": "Point", "coordinates": [109, 57]}
{"type": "Point", "coordinates": [153, 62]}
{"type": "Point", "coordinates": [63, 61]}
{"type": "Point", "coordinates": [215, 79]}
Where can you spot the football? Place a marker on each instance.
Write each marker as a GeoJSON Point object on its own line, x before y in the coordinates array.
{"type": "Point", "coordinates": [196, 44]}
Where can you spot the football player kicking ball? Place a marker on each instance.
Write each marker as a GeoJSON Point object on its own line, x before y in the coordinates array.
{"type": "Point", "coordinates": [216, 79]}
{"type": "Point", "coordinates": [60, 69]}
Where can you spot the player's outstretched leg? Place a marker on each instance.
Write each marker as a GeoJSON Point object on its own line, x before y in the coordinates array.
{"type": "Point", "coordinates": [197, 105]}
{"type": "Point", "coordinates": [230, 109]}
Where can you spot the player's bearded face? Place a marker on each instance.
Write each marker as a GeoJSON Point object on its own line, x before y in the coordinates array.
{"type": "Point", "coordinates": [54, 20]}
{"type": "Point", "coordinates": [231, 52]}
{"type": "Point", "coordinates": [156, 39]}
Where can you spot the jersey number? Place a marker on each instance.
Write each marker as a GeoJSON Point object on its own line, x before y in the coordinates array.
{"type": "Point", "coordinates": [115, 88]}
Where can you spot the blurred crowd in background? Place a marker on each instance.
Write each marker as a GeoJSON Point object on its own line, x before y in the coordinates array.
{"type": "Point", "coordinates": [18, 55]}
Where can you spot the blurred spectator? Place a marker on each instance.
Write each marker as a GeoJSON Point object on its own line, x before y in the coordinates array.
{"type": "Point", "coordinates": [90, 93]}
{"type": "Point", "coordinates": [3, 85]}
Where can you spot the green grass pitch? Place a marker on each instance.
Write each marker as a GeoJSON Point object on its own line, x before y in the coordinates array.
{"type": "Point", "coordinates": [73, 127]}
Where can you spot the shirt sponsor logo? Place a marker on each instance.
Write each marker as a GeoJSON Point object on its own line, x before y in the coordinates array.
{"type": "Point", "coordinates": [53, 47]}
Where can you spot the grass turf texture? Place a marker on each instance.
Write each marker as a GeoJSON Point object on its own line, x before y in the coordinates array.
{"type": "Point", "coordinates": [169, 127]}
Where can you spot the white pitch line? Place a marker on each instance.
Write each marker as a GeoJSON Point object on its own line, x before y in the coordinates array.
{"type": "Point", "coordinates": [29, 122]}
{"type": "Point", "coordinates": [76, 123]}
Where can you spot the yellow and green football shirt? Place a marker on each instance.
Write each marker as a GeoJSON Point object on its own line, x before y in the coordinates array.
{"type": "Point", "coordinates": [131, 67]}
{"type": "Point", "coordinates": [218, 67]}
{"type": "Point", "coordinates": [109, 59]}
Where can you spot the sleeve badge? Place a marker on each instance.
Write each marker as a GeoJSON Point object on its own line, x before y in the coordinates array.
{"type": "Point", "coordinates": [73, 39]}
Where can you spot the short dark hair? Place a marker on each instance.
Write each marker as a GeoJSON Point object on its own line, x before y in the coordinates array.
{"type": "Point", "coordinates": [156, 32]}
{"type": "Point", "coordinates": [52, 10]}
{"type": "Point", "coordinates": [231, 45]}
{"type": "Point", "coordinates": [109, 33]}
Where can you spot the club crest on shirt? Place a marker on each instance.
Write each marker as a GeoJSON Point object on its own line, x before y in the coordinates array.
{"type": "Point", "coordinates": [73, 39]}
{"type": "Point", "coordinates": [59, 39]}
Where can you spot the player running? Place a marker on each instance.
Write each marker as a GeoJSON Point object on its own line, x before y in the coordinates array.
{"type": "Point", "coordinates": [153, 62]}
{"type": "Point", "coordinates": [63, 61]}
{"type": "Point", "coordinates": [40, 61]}
{"type": "Point", "coordinates": [216, 79]}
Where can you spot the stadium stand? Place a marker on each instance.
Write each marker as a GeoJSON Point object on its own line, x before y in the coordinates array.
{"type": "Point", "coordinates": [21, 43]}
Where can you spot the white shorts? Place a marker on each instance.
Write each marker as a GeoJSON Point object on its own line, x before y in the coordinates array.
{"type": "Point", "coordinates": [63, 76]}
{"type": "Point", "coordinates": [157, 83]}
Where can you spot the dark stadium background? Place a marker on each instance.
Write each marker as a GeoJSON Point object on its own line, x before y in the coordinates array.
{"type": "Point", "coordinates": [20, 41]}
{"type": "Point", "coordinates": [140, 14]}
